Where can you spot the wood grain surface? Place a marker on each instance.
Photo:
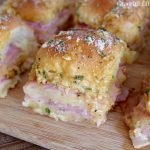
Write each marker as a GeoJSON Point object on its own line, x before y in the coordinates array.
{"type": "Point", "coordinates": [10, 143]}
{"type": "Point", "coordinates": [22, 123]}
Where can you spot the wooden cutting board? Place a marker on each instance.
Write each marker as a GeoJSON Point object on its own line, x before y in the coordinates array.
{"type": "Point", "coordinates": [22, 123]}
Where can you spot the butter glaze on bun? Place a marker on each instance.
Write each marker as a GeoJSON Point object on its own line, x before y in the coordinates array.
{"type": "Point", "coordinates": [37, 10]}
{"type": "Point", "coordinates": [17, 49]}
{"type": "Point", "coordinates": [126, 22]}
{"type": "Point", "coordinates": [92, 12]}
{"type": "Point", "coordinates": [81, 67]}
{"type": "Point", "coordinates": [45, 17]}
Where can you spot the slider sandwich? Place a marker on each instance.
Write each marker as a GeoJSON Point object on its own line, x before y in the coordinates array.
{"type": "Point", "coordinates": [78, 75]}
{"type": "Point", "coordinates": [46, 17]}
{"type": "Point", "coordinates": [17, 46]}
{"type": "Point", "coordinates": [138, 118]}
{"type": "Point", "coordinates": [125, 21]}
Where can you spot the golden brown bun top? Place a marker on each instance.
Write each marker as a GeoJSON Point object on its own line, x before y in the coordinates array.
{"type": "Point", "coordinates": [71, 56]}
{"type": "Point", "coordinates": [80, 45]}
{"type": "Point", "coordinates": [93, 12]}
{"type": "Point", "coordinates": [68, 41]}
{"type": "Point", "coordinates": [37, 10]}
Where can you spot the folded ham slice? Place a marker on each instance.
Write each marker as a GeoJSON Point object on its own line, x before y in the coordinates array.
{"type": "Point", "coordinates": [11, 57]}
{"type": "Point", "coordinates": [44, 31]}
{"type": "Point", "coordinates": [49, 99]}
{"type": "Point", "coordinates": [137, 117]}
{"type": "Point", "coordinates": [78, 75]}
{"type": "Point", "coordinates": [17, 48]}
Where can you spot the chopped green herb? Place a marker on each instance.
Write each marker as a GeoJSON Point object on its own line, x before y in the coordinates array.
{"type": "Point", "coordinates": [139, 27]}
{"type": "Point", "coordinates": [79, 77]}
{"type": "Point", "coordinates": [60, 74]}
{"type": "Point", "coordinates": [78, 4]}
{"type": "Point", "coordinates": [116, 8]}
{"type": "Point", "coordinates": [0, 57]}
{"type": "Point", "coordinates": [147, 91]}
{"type": "Point", "coordinates": [75, 82]}
{"type": "Point", "coordinates": [51, 41]}
{"type": "Point", "coordinates": [88, 88]}
{"type": "Point", "coordinates": [52, 71]}
{"type": "Point", "coordinates": [47, 110]}
{"type": "Point", "coordinates": [44, 74]}
{"type": "Point", "coordinates": [60, 46]}
{"type": "Point", "coordinates": [102, 54]}
{"type": "Point", "coordinates": [89, 39]}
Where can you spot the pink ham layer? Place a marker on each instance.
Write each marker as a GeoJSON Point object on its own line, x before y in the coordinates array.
{"type": "Point", "coordinates": [40, 99]}
{"type": "Point", "coordinates": [143, 139]}
{"type": "Point", "coordinates": [146, 130]}
{"type": "Point", "coordinates": [52, 104]}
{"type": "Point", "coordinates": [44, 31]}
{"type": "Point", "coordinates": [10, 55]}
{"type": "Point", "coordinates": [62, 107]}
{"type": "Point", "coordinates": [119, 92]}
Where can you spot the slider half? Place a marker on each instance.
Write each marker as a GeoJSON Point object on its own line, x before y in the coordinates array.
{"type": "Point", "coordinates": [138, 116]}
{"type": "Point", "coordinates": [78, 75]}
{"type": "Point", "coordinates": [125, 21]}
{"type": "Point", "coordinates": [17, 47]}
{"type": "Point", "coordinates": [45, 17]}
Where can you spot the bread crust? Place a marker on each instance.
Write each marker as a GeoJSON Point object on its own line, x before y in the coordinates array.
{"type": "Point", "coordinates": [80, 59]}
{"type": "Point", "coordinates": [126, 22]}
{"type": "Point", "coordinates": [92, 12]}
{"type": "Point", "coordinates": [41, 11]}
{"type": "Point", "coordinates": [15, 34]}
{"type": "Point", "coordinates": [7, 24]}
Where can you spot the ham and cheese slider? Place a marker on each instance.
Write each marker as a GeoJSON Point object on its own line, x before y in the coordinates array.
{"type": "Point", "coordinates": [138, 116]}
{"type": "Point", "coordinates": [125, 21]}
{"type": "Point", "coordinates": [78, 74]}
{"type": "Point", "coordinates": [17, 45]}
{"type": "Point", "coordinates": [46, 17]}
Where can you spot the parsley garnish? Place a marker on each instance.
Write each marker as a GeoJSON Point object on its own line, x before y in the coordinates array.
{"type": "Point", "coordinates": [79, 77]}
{"type": "Point", "coordinates": [44, 74]}
{"type": "Point", "coordinates": [51, 41]}
{"type": "Point", "coordinates": [47, 110]}
{"type": "Point", "coordinates": [52, 71]}
{"type": "Point", "coordinates": [147, 91]}
{"type": "Point", "coordinates": [102, 54]}
{"type": "Point", "coordinates": [88, 88]}
{"type": "Point", "coordinates": [89, 39]}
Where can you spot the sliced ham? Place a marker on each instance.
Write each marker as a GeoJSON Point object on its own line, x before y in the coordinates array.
{"type": "Point", "coordinates": [45, 31]}
{"type": "Point", "coordinates": [51, 104]}
{"type": "Point", "coordinates": [6, 83]}
{"type": "Point", "coordinates": [123, 95]}
{"type": "Point", "coordinates": [55, 98]}
{"type": "Point", "coordinates": [10, 55]}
